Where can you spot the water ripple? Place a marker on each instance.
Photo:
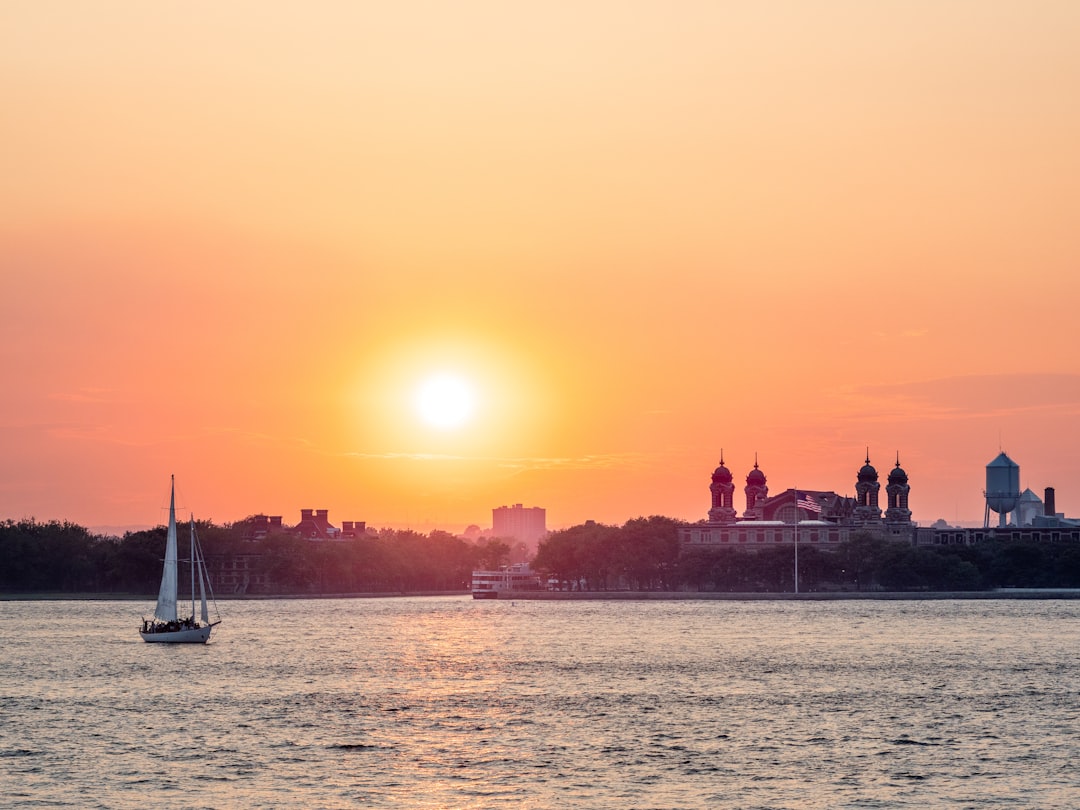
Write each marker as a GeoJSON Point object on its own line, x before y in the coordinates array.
{"type": "Point", "coordinates": [447, 703]}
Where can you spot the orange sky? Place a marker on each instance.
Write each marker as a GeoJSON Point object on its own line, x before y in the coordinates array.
{"type": "Point", "coordinates": [235, 238]}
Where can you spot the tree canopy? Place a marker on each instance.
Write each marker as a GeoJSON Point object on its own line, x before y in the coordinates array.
{"type": "Point", "coordinates": [65, 558]}
{"type": "Point", "coordinates": [642, 554]}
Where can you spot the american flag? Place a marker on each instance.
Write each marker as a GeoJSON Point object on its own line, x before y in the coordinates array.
{"type": "Point", "coordinates": [804, 500]}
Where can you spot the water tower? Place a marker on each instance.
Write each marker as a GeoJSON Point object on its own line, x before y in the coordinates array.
{"type": "Point", "coordinates": [1002, 488]}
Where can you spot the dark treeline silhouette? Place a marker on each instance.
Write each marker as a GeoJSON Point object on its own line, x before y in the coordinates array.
{"type": "Point", "coordinates": [65, 558]}
{"type": "Point", "coordinates": [642, 554]}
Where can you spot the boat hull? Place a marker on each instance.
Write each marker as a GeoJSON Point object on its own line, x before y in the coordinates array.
{"type": "Point", "coordinates": [198, 635]}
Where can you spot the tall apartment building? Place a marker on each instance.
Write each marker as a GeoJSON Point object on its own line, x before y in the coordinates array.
{"type": "Point", "coordinates": [527, 525]}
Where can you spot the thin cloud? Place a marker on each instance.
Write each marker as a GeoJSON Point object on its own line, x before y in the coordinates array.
{"type": "Point", "coordinates": [588, 462]}
{"type": "Point", "coordinates": [407, 456]}
{"type": "Point", "coordinates": [965, 397]}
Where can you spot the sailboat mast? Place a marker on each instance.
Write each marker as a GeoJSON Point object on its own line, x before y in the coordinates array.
{"type": "Point", "coordinates": [202, 585]}
{"type": "Point", "coordinates": [192, 566]}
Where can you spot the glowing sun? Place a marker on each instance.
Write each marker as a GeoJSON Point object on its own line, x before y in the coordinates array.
{"type": "Point", "coordinates": [445, 401]}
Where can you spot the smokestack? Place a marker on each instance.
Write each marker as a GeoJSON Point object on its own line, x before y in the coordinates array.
{"type": "Point", "coordinates": [1048, 502]}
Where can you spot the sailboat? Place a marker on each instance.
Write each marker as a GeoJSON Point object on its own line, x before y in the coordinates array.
{"type": "Point", "coordinates": [166, 626]}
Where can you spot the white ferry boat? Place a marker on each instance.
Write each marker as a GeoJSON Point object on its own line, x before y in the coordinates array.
{"type": "Point", "coordinates": [517, 577]}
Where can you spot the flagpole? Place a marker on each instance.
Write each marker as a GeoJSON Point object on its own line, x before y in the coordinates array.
{"type": "Point", "coordinates": [796, 540]}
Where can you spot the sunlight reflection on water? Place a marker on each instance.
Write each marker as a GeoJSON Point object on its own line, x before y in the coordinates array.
{"type": "Point", "coordinates": [447, 702]}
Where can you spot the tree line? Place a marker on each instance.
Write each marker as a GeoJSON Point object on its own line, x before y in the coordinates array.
{"type": "Point", "coordinates": [645, 554]}
{"type": "Point", "coordinates": [642, 554]}
{"type": "Point", "coordinates": [61, 558]}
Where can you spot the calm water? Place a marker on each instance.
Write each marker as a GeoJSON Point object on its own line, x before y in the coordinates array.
{"type": "Point", "coordinates": [451, 703]}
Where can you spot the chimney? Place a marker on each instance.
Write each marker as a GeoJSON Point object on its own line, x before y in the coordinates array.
{"type": "Point", "coordinates": [305, 514]}
{"type": "Point", "coordinates": [346, 526]}
{"type": "Point", "coordinates": [1048, 502]}
{"type": "Point", "coordinates": [322, 513]}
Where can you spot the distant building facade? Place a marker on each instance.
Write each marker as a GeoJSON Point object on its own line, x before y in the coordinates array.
{"type": "Point", "coordinates": [813, 517]}
{"type": "Point", "coordinates": [1065, 532]}
{"type": "Point", "coordinates": [315, 525]}
{"type": "Point", "coordinates": [238, 574]}
{"type": "Point", "coordinates": [1034, 519]}
{"type": "Point", "coordinates": [527, 525]}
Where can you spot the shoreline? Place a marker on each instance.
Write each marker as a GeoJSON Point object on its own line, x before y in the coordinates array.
{"type": "Point", "coordinates": [53, 596]}
{"type": "Point", "coordinates": [572, 596]}
{"type": "Point", "coordinates": [824, 596]}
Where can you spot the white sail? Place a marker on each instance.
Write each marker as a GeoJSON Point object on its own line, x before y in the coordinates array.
{"type": "Point", "coordinates": [166, 601]}
{"type": "Point", "coordinates": [167, 626]}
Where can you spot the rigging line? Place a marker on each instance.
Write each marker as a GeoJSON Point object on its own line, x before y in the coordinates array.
{"type": "Point", "coordinates": [209, 587]}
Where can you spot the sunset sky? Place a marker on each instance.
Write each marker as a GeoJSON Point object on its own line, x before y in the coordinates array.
{"type": "Point", "coordinates": [237, 239]}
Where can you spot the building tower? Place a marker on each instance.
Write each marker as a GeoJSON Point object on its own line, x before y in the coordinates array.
{"type": "Point", "coordinates": [526, 524]}
{"type": "Point", "coordinates": [756, 492]}
{"type": "Point", "coordinates": [897, 492]}
{"type": "Point", "coordinates": [866, 493]}
{"type": "Point", "coordinates": [1002, 488]}
{"type": "Point", "coordinates": [723, 493]}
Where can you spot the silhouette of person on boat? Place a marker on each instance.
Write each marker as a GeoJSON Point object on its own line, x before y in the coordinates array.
{"type": "Point", "coordinates": [188, 623]}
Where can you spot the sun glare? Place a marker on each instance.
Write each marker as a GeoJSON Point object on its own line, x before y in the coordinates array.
{"type": "Point", "coordinates": [445, 401]}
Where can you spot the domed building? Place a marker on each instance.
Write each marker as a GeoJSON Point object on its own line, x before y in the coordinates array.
{"type": "Point", "coordinates": [814, 517]}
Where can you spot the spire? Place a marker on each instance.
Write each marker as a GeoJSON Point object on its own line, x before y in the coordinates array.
{"type": "Point", "coordinates": [721, 489]}
{"type": "Point", "coordinates": [868, 455]}
{"type": "Point", "coordinates": [755, 459]}
{"type": "Point", "coordinates": [897, 492]}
